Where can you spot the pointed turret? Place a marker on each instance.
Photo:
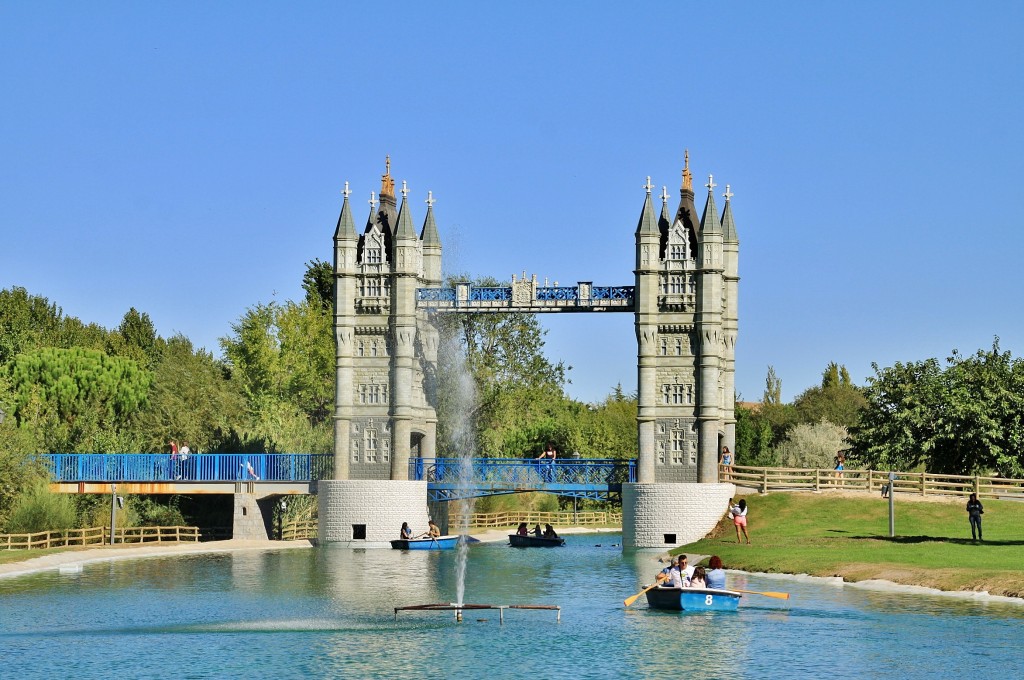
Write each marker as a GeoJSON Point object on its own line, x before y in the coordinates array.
{"type": "Point", "coordinates": [709, 223]}
{"type": "Point", "coordinates": [431, 246]}
{"type": "Point", "coordinates": [346, 230]}
{"type": "Point", "coordinates": [728, 226]}
{"type": "Point", "coordinates": [405, 229]}
{"type": "Point", "coordinates": [647, 224]}
{"type": "Point", "coordinates": [664, 222]}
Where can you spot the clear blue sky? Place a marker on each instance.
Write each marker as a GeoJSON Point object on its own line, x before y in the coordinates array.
{"type": "Point", "coordinates": [186, 159]}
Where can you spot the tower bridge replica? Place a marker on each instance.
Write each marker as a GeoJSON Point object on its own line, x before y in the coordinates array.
{"type": "Point", "coordinates": [388, 290]}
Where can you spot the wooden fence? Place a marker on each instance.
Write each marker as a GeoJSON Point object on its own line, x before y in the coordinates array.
{"type": "Point", "coordinates": [101, 536]}
{"type": "Point", "coordinates": [300, 529]}
{"type": "Point", "coordinates": [918, 483]}
{"type": "Point", "coordinates": [484, 520]}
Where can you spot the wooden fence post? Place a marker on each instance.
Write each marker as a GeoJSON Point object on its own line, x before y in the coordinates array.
{"type": "Point", "coordinates": [817, 479]}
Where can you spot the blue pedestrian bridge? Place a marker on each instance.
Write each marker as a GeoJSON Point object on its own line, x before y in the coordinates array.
{"type": "Point", "coordinates": [447, 478]}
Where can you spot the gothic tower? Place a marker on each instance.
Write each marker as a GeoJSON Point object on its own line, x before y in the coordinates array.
{"type": "Point", "coordinates": [386, 351]}
{"type": "Point", "coordinates": [686, 325]}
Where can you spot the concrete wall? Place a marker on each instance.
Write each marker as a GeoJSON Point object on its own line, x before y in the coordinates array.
{"type": "Point", "coordinates": [251, 517]}
{"type": "Point", "coordinates": [378, 507]}
{"type": "Point", "coordinates": [669, 515]}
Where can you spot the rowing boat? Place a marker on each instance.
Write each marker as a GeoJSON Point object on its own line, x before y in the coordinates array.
{"type": "Point", "coordinates": [439, 543]}
{"type": "Point", "coordinates": [693, 599]}
{"type": "Point", "coordinates": [528, 541]}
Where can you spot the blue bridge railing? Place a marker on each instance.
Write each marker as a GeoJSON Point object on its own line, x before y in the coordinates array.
{"type": "Point", "coordinates": [451, 478]}
{"type": "Point", "coordinates": [447, 478]}
{"type": "Point", "coordinates": [198, 467]}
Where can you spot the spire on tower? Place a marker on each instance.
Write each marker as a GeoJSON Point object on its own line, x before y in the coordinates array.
{"type": "Point", "coordinates": [429, 234]}
{"type": "Point", "coordinates": [647, 224]}
{"type": "Point", "coordinates": [728, 226]}
{"type": "Point", "coordinates": [387, 184]}
{"type": "Point", "coordinates": [346, 229]}
{"type": "Point", "coordinates": [687, 175]}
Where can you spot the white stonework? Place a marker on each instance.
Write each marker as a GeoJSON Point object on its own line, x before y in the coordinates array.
{"type": "Point", "coordinates": [378, 506]}
{"type": "Point", "coordinates": [663, 515]}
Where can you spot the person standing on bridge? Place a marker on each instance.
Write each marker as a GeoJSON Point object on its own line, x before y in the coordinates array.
{"type": "Point", "coordinates": [547, 459]}
{"type": "Point", "coordinates": [174, 471]}
{"type": "Point", "coordinates": [183, 454]}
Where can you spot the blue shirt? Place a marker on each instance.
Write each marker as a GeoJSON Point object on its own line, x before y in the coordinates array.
{"type": "Point", "coordinates": [715, 579]}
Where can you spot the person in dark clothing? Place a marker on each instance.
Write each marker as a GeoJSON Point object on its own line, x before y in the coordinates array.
{"type": "Point", "coordinates": [974, 513]}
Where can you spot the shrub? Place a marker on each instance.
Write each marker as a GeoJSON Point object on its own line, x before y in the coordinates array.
{"type": "Point", "coordinates": [38, 509]}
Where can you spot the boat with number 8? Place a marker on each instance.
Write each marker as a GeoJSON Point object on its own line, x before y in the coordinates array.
{"type": "Point", "coordinates": [693, 599]}
{"type": "Point", "coordinates": [439, 543]}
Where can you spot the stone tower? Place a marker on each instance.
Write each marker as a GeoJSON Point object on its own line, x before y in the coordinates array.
{"type": "Point", "coordinates": [386, 351]}
{"type": "Point", "coordinates": [686, 324]}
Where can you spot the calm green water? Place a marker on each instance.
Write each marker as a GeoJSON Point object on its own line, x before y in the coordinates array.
{"type": "Point", "coordinates": [328, 612]}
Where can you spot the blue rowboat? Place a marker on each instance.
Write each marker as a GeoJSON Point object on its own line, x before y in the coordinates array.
{"type": "Point", "coordinates": [693, 599]}
{"type": "Point", "coordinates": [517, 541]}
{"type": "Point", "coordinates": [439, 543]}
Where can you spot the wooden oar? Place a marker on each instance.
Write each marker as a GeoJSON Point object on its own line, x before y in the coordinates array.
{"type": "Point", "coordinates": [780, 596]}
{"type": "Point", "coordinates": [630, 600]}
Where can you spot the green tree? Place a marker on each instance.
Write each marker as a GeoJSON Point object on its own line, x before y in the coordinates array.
{"type": "Point", "coordinates": [837, 400]}
{"type": "Point", "coordinates": [78, 398]}
{"type": "Point", "coordinates": [965, 419]}
{"type": "Point", "coordinates": [518, 391]}
{"type": "Point", "coordinates": [318, 284]}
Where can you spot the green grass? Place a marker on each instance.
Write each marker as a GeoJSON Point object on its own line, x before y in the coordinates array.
{"type": "Point", "coordinates": [847, 535]}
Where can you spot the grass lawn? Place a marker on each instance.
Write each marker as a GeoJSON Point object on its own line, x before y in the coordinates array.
{"type": "Point", "coordinates": [847, 535]}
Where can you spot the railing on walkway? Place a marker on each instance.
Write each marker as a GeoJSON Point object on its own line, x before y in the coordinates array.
{"type": "Point", "coordinates": [100, 536]}
{"type": "Point", "coordinates": [451, 478]}
{"type": "Point", "coordinates": [485, 520]}
{"type": "Point", "coordinates": [198, 467]}
{"type": "Point", "coordinates": [920, 483]}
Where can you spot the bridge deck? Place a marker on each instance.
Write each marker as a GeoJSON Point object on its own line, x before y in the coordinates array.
{"type": "Point", "coordinates": [447, 478]}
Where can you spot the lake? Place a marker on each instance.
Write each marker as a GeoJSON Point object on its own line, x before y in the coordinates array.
{"type": "Point", "coordinates": [329, 612]}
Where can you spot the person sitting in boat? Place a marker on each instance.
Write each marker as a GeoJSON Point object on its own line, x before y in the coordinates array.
{"type": "Point", "coordinates": [406, 532]}
{"type": "Point", "coordinates": [537, 531]}
{"type": "Point", "coordinates": [432, 530]}
{"type": "Point", "coordinates": [549, 531]}
{"type": "Point", "coordinates": [715, 576]}
{"type": "Point", "coordinates": [673, 576]}
{"type": "Point", "coordinates": [523, 530]}
{"type": "Point", "coordinates": [697, 580]}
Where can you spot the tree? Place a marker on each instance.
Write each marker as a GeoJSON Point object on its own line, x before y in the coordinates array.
{"type": "Point", "coordinates": [837, 400]}
{"type": "Point", "coordinates": [772, 388]}
{"type": "Point", "coordinates": [318, 283]}
{"type": "Point", "coordinates": [812, 445]}
{"type": "Point", "coordinates": [965, 419]}
{"type": "Point", "coordinates": [518, 391]}
{"type": "Point", "coordinates": [79, 399]}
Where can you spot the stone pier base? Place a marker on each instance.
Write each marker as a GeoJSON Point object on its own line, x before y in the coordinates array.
{"type": "Point", "coordinates": [368, 513]}
{"type": "Point", "coordinates": [670, 515]}
{"type": "Point", "coordinates": [251, 517]}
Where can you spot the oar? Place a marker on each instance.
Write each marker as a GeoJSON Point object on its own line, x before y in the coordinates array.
{"type": "Point", "coordinates": [630, 600]}
{"type": "Point", "coordinates": [780, 596]}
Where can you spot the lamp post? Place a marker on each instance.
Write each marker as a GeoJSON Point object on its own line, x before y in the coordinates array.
{"type": "Point", "coordinates": [113, 511]}
{"type": "Point", "coordinates": [892, 512]}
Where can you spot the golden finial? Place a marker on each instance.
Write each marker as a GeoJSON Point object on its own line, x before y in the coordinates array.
{"type": "Point", "coordinates": [687, 176]}
{"type": "Point", "coordinates": [387, 185]}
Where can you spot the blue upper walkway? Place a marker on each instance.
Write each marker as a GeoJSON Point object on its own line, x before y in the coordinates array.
{"type": "Point", "coordinates": [447, 478]}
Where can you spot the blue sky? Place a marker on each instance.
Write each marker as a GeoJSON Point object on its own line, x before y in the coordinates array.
{"type": "Point", "coordinates": [186, 159]}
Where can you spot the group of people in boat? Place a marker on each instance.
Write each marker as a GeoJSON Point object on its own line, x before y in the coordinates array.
{"type": "Point", "coordinates": [547, 532]}
{"type": "Point", "coordinates": [432, 531]}
{"type": "Point", "coordinates": [679, 574]}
